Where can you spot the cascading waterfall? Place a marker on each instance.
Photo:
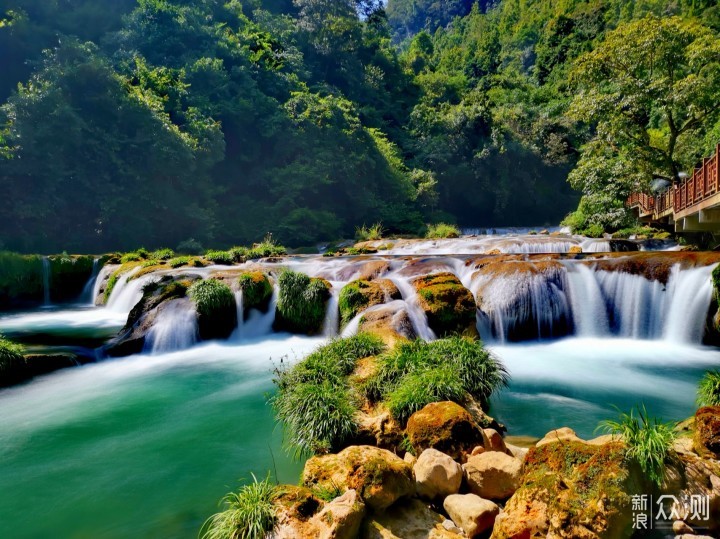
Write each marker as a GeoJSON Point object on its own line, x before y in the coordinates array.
{"type": "Point", "coordinates": [88, 294]}
{"type": "Point", "coordinates": [127, 291]}
{"type": "Point", "coordinates": [103, 274]}
{"type": "Point", "coordinates": [46, 281]}
{"type": "Point", "coordinates": [175, 328]}
{"type": "Point", "coordinates": [332, 313]}
{"type": "Point", "coordinates": [238, 333]}
{"type": "Point", "coordinates": [258, 324]}
{"type": "Point", "coordinates": [415, 313]}
{"type": "Point", "coordinates": [690, 294]}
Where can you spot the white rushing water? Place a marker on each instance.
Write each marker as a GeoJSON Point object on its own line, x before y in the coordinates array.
{"type": "Point", "coordinates": [331, 325]}
{"type": "Point", "coordinates": [88, 294]}
{"type": "Point", "coordinates": [176, 328]}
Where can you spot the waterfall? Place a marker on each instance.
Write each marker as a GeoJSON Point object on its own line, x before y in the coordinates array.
{"type": "Point", "coordinates": [415, 313]}
{"type": "Point", "coordinates": [103, 274]}
{"type": "Point", "coordinates": [690, 294]}
{"type": "Point", "coordinates": [127, 291]}
{"type": "Point", "coordinates": [353, 326]}
{"type": "Point", "coordinates": [88, 294]}
{"type": "Point", "coordinates": [332, 313]}
{"type": "Point", "coordinates": [258, 324]}
{"type": "Point", "coordinates": [587, 302]}
{"type": "Point", "coordinates": [238, 333]}
{"type": "Point", "coordinates": [46, 281]}
{"type": "Point", "coordinates": [175, 328]}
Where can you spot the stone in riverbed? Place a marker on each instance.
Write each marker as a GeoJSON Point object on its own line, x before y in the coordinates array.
{"type": "Point", "coordinates": [472, 513]}
{"type": "Point", "coordinates": [493, 475]}
{"type": "Point", "coordinates": [449, 306]}
{"type": "Point", "coordinates": [437, 475]}
{"type": "Point", "coordinates": [408, 519]}
{"type": "Point", "coordinates": [341, 518]}
{"type": "Point", "coordinates": [359, 295]}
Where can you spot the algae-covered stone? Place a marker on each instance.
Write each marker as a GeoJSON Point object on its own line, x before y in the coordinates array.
{"type": "Point", "coordinates": [256, 289]}
{"type": "Point", "coordinates": [301, 303]}
{"type": "Point", "coordinates": [447, 427]}
{"type": "Point", "coordinates": [379, 476]}
{"type": "Point", "coordinates": [449, 306]}
{"type": "Point", "coordinates": [707, 431]}
{"type": "Point", "coordinates": [361, 294]}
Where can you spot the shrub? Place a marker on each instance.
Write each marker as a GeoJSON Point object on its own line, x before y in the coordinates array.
{"type": "Point", "coordinates": [354, 297]}
{"type": "Point", "coordinates": [593, 230]}
{"type": "Point", "coordinates": [179, 261]}
{"type": "Point", "coordinates": [130, 257]}
{"type": "Point", "coordinates": [301, 302]}
{"type": "Point", "coordinates": [314, 399]}
{"type": "Point", "coordinates": [163, 254]}
{"type": "Point", "coordinates": [709, 389]}
{"type": "Point", "coordinates": [215, 306]}
{"type": "Point", "coordinates": [152, 262]}
{"type": "Point", "coordinates": [442, 230]}
{"type": "Point", "coordinates": [11, 358]}
{"type": "Point", "coordinates": [256, 289]}
{"type": "Point", "coordinates": [647, 440]}
{"type": "Point", "coordinates": [239, 254]}
{"type": "Point", "coordinates": [226, 258]}
{"type": "Point", "coordinates": [249, 513]}
{"type": "Point", "coordinates": [369, 233]}
{"type": "Point", "coordinates": [451, 368]}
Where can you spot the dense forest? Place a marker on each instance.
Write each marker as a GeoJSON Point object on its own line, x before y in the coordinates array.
{"type": "Point", "coordinates": [153, 122]}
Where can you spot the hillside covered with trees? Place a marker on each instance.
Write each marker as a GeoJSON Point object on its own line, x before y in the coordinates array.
{"type": "Point", "coordinates": [151, 122]}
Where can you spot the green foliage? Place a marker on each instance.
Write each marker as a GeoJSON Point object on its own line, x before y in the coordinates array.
{"type": "Point", "coordinates": [417, 373]}
{"type": "Point", "coordinates": [249, 513]}
{"type": "Point", "coordinates": [211, 296]}
{"type": "Point", "coordinates": [256, 288]}
{"type": "Point", "coordinates": [352, 300]}
{"type": "Point", "coordinates": [267, 247]}
{"type": "Point", "coordinates": [648, 441]}
{"type": "Point", "coordinates": [442, 230]}
{"type": "Point", "coordinates": [226, 258]}
{"type": "Point", "coordinates": [301, 302]}
{"type": "Point", "coordinates": [708, 393]}
{"type": "Point", "coordinates": [369, 233]}
{"type": "Point", "coordinates": [20, 278]}
{"type": "Point", "coordinates": [131, 257]}
{"type": "Point", "coordinates": [11, 357]}
{"type": "Point", "coordinates": [162, 254]}
{"type": "Point", "coordinates": [327, 493]}
{"type": "Point", "coordinates": [314, 400]}
{"type": "Point", "coordinates": [179, 261]}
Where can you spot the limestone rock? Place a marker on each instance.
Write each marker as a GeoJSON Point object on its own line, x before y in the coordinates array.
{"type": "Point", "coordinates": [449, 306]}
{"type": "Point", "coordinates": [517, 452]}
{"type": "Point", "coordinates": [679, 528]}
{"type": "Point", "coordinates": [445, 426]}
{"type": "Point", "coordinates": [389, 321]}
{"type": "Point", "coordinates": [409, 519]}
{"type": "Point", "coordinates": [493, 475]}
{"type": "Point", "coordinates": [379, 429]}
{"type": "Point", "coordinates": [379, 476]}
{"type": "Point", "coordinates": [471, 513]}
{"type": "Point", "coordinates": [295, 508]}
{"type": "Point", "coordinates": [707, 431]}
{"type": "Point", "coordinates": [410, 458]}
{"type": "Point", "coordinates": [495, 440]}
{"type": "Point", "coordinates": [341, 518]}
{"type": "Point", "coordinates": [564, 434]}
{"type": "Point", "coordinates": [359, 295]}
{"type": "Point", "coordinates": [437, 475]}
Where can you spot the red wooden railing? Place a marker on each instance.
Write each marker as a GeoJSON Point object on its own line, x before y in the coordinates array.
{"type": "Point", "coordinates": [701, 185]}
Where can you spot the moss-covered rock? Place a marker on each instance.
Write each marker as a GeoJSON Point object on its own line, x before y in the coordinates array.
{"type": "Point", "coordinates": [379, 476]}
{"type": "Point", "coordinates": [68, 276]}
{"type": "Point", "coordinates": [215, 307]}
{"type": "Point", "coordinates": [707, 431]}
{"type": "Point", "coordinates": [447, 427]}
{"type": "Point", "coordinates": [449, 306]}
{"type": "Point", "coordinates": [408, 519]}
{"type": "Point", "coordinates": [360, 294]}
{"type": "Point", "coordinates": [390, 321]}
{"type": "Point", "coordinates": [570, 490]}
{"type": "Point", "coordinates": [256, 288]}
{"type": "Point", "coordinates": [301, 303]}
{"type": "Point", "coordinates": [12, 363]}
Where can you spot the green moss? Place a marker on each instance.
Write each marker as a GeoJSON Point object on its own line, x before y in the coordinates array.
{"type": "Point", "coordinates": [11, 360]}
{"type": "Point", "coordinates": [215, 305]}
{"type": "Point", "coordinates": [162, 254]}
{"type": "Point", "coordinates": [179, 261]}
{"type": "Point", "coordinates": [256, 289]}
{"type": "Point", "coordinates": [226, 258]}
{"type": "Point", "coordinates": [21, 279]}
{"type": "Point", "coordinates": [709, 389]}
{"type": "Point", "coordinates": [301, 302]}
{"type": "Point", "coordinates": [449, 306]}
{"type": "Point", "coordinates": [359, 295]}
{"type": "Point", "coordinates": [422, 387]}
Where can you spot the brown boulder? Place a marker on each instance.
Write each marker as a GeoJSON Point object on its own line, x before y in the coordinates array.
{"type": "Point", "coordinates": [493, 475]}
{"type": "Point", "coordinates": [447, 427]}
{"type": "Point", "coordinates": [449, 306]}
{"type": "Point", "coordinates": [471, 513]}
{"type": "Point", "coordinates": [410, 519]}
{"type": "Point", "coordinates": [707, 431]}
{"type": "Point", "coordinates": [437, 475]}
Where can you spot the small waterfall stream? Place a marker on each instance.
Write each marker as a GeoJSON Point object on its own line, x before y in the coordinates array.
{"type": "Point", "coordinates": [257, 324]}
{"type": "Point", "coordinates": [88, 295]}
{"type": "Point", "coordinates": [46, 281]}
{"type": "Point", "coordinates": [175, 328]}
{"type": "Point", "coordinates": [331, 324]}
{"type": "Point", "coordinates": [414, 311]}
{"type": "Point", "coordinates": [127, 291]}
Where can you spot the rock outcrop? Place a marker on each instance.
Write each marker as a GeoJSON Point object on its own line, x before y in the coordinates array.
{"type": "Point", "coordinates": [448, 305]}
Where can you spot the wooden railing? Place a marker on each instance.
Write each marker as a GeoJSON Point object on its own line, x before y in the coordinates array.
{"type": "Point", "coordinates": [696, 188]}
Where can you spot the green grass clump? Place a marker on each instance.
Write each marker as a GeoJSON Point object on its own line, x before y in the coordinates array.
{"type": "Point", "coordinates": [417, 373]}
{"type": "Point", "coordinates": [249, 513]}
{"type": "Point", "coordinates": [708, 393]}
{"type": "Point", "coordinates": [152, 262]}
{"type": "Point", "coordinates": [648, 441]}
{"type": "Point", "coordinates": [11, 356]}
{"type": "Point", "coordinates": [135, 256]}
{"type": "Point", "coordinates": [179, 261]}
{"type": "Point", "coordinates": [162, 254]}
{"type": "Point", "coordinates": [314, 399]}
{"type": "Point", "coordinates": [21, 277]}
{"type": "Point", "coordinates": [211, 296]}
{"type": "Point", "coordinates": [442, 230]}
{"type": "Point", "coordinates": [369, 233]}
{"type": "Point", "coordinates": [267, 247]}
{"type": "Point", "coordinates": [226, 258]}
{"type": "Point", "coordinates": [256, 288]}
{"type": "Point", "coordinates": [301, 302]}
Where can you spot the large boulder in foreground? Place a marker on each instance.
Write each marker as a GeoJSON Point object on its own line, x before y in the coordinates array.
{"type": "Point", "coordinates": [447, 427]}
{"type": "Point", "coordinates": [473, 514]}
{"type": "Point", "coordinates": [449, 306]}
{"type": "Point", "coordinates": [493, 475]}
{"type": "Point", "coordinates": [707, 431]}
{"type": "Point", "coordinates": [437, 475]}
{"type": "Point", "coordinates": [408, 519]}
{"type": "Point", "coordinates": [569, 490]}
{"type": "Point", "coordinates": [379, 476]}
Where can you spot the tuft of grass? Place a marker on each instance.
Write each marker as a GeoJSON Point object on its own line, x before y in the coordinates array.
{"type": "Point", "coordinates": [442, 230]}
{"type": "Point", "coordinates": [369, 233]}
{"type": "Point", "coordinates": [301, 301]}
{"type": "Point", "coordinates": [267, 247]}
{"type": "Point", "coordinates": [226, 258]}
{"type": "Point", "coordinates": [314, 399]}
{"type": "Point", "coordinates": [648, 441]}
{"type": "Point", "coordinates": [328, 493]}
{"type": "Point", "coordinates": [446, 369]}
{"type": "Point", "coordinates": [11, 356]}
{"type": "Point", "coordinates": [256, 288]}
{"type": "Point", "coordinates": [162, 254]}
{"type": "Point", "coordinates": [211, 296]}
{"type": "Point", "coordinates": [179, 261]}
{"type": "Point", "coordinates": [130, 257]}
{"type": "Point", "coordinates": [708, 393]}
{"type": "Point", "coordinates": [249, 513]}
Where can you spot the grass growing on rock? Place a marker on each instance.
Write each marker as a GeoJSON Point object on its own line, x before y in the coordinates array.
{"type": "Point", "coordinates": [709, 389]}
{"type": "Point", "coordinates": [211, 296]}
{"type": "Point", "coordinates": [301, 302]}
{"type": "Point", "coordinates": [315, 401]}
{"type": "Point", "coordinates": [648, 441]}
{"type": "Point", "coordinates": [256, 288]}
{"type": "Point", "coordinates": [442, 231]}
{"type": "Point", "coordinates": [11, 357]}
{"type": "Point", "coordinates": [418, 373]}
{"type": "Point", "coordinates": [249, 513]}
{"type": "Point", "coordinates": [369, 233]}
